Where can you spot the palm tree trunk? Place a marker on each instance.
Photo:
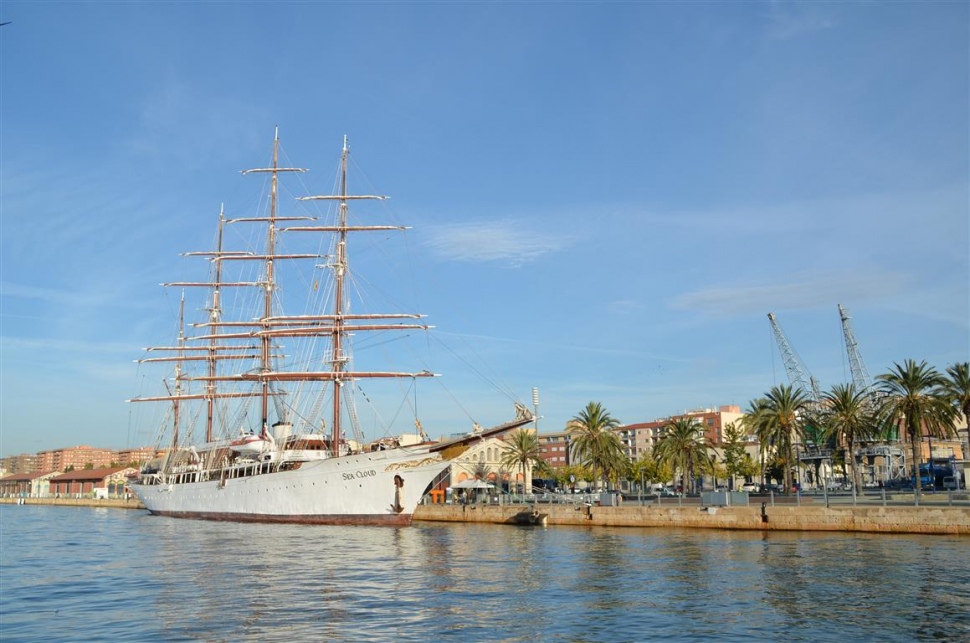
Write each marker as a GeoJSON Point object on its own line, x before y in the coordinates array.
{"type": "Point", "coordinates": [787, 480]}
{"type": "Point", "coordinates": [852, 466]}
{"type": "Point", "coordinates": [916, 458]}
{"type": "Point", "coordinates": [786, 483]}
{"type": "Point", "coordinates": [762, 458]}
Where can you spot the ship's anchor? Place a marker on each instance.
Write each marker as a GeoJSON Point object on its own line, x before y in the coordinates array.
{"type": "Point", "coordinates": [398, 485]}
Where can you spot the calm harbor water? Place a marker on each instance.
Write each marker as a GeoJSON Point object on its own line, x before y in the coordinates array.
{"type": "Point", "coordinates": [88, 574]}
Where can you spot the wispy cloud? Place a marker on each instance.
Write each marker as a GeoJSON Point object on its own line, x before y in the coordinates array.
{"type": "Point", "coordinates": [625, 307]}
{"type": "Point", "coordinates": [624, 351]}
{"type": "Point", "coordinates": [176, 107]}
{"type": "Point", "coordinates": [488, 241]}
{"type": "Point", "coordinates": [800, 291]}
{"type": "Point", "coordinates": [787, 20]}
{"type": "Point", "coordinates": [50, 295]}
{"type": "Point", "coordinates": [60, 346]}
{"type": "Point", "coordinates": [877, 214]}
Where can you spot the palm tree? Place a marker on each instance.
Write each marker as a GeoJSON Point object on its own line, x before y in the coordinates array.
{"type": "Point", "coordinates": [847, 418]}
{"type": "Point", "coordinates": [521, 449]}
{"type": "Point", "coordinates": [684, 447]}
{"type": "Point", "coordinates": [750, 421]}
{"type": "Point", "coordinates": [594, 443]}
{"type": "Point", "coordinates": [958, 389]}
{"type": "Point", "coordinates": [779, 421]}
{"type": "Point", "coordinates": [914, 395]}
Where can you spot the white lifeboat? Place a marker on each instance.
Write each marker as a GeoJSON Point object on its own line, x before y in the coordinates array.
{"type": "Point", "coordinates": [249, 443]}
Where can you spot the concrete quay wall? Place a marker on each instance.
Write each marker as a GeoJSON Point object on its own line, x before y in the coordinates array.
{"type": "Point", "coordinates": [925, 519]}
{"type": "Point", "coordinates": [115, 503]}
{"type": "Point", "coordinates": [874, 519]}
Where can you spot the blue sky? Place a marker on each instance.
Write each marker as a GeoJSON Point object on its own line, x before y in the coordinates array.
{"type": "Point", "coordinates": [607, 198]}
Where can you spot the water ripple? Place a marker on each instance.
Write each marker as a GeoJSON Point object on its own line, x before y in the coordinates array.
{"type": "Point", "coordinates": [76, 574]}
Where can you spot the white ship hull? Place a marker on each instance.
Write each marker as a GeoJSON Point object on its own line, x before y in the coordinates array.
{"type": "Point", "coordinates": [380, 487]}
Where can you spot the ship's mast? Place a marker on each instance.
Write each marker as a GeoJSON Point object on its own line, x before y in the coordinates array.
{"type": "Point", "coordinates": [215, 312]}
{"type": "Point", "coordinates": [177, 398]}
{"type": "Point", "coordinates": [339, 328]}
{"type": "Point", "coordinates": [265, 341]}
{"type": "Point", "coordinates": [340, 269]}
{"type": "Point", "coordinates": [236, 340]}
{"type": "Point", "coordinates": [335, 324]}
{"type": "Point", "coordinates": [269, 284]}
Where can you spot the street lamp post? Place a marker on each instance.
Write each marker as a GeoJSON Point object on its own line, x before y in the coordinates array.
{"type": "Point", "coordinates": [641, 487]}
{"type": "Point", "coordinates": [535, 405]}
{"type": "Point", "coordinates": [535, 424]}
{"type": "Point", "coordinates": [929, 439]}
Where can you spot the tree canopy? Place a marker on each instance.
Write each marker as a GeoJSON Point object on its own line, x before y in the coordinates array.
{"type": "Point", "coordinates": [521, 449]}
{"type": "Point", "coordinates": [595, 444]}
{"type": "Point", "coordinates": [914, 397]}
{"type": "Point", "coordinates": [683, 446]}
{"type": "Point", "coordinates": [847, 417]}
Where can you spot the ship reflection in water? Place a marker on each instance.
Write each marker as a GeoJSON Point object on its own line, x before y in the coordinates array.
{"type": "Point", "coordinates": [122, 575]}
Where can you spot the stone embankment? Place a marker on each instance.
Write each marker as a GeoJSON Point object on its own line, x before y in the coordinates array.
{"type": "Point", "coordinates": [925, 519]}
{"type": "Point", "coordinates": [876, 519]}
{"type": "Point", "coordinates": [114, 503]}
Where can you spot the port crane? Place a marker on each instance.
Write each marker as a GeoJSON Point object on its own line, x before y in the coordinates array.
{"type": "Point", "coordinates": [892, 455]}
{"type": "Point", "coordinates": [860, 375]}
{"type": "Point", "coordinates": [817, 452]}
{"type": "Point", "coordinates": [797, 374]}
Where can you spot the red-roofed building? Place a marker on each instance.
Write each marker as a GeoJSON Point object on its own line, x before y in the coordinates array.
{"type": "Point", "coordinates": [85, 481]}
{"type": "Point", "coordinates": [21, 485]}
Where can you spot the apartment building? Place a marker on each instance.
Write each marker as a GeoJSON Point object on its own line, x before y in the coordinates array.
{"type": "Point", "coordinates": [639, 439]}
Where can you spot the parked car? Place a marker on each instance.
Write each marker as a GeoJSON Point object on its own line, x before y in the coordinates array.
{"type": "Point", "coordinates": [899, 484]}
{"type": "Point", "coordinates": [751, 487]}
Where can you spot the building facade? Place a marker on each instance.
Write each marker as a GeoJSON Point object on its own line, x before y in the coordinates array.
{"type": "Point", "coordinates": [554, 449]}
{"type": "Point", "coordinates": [135, 457]}
{"type": "Point", "coordinates": [84, 482]}
{"type": "Point", "coordinates": [27, 485]}
{"type": "Point", "coordinates": [77, 457]}
{"type": "Point", "coordinates": [483, 461]}
{"type": "Point", "coordinates": [23, 463]}
{"type": "Point", "coordinates": [639, 439]}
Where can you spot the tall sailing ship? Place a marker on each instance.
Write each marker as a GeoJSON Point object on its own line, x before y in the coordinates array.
{"type": "Point", "coordinates": [292, 466]}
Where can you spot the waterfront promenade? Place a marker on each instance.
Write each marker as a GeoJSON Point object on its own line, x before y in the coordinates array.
{"type": "Point", "coordinates": [933, 516]}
